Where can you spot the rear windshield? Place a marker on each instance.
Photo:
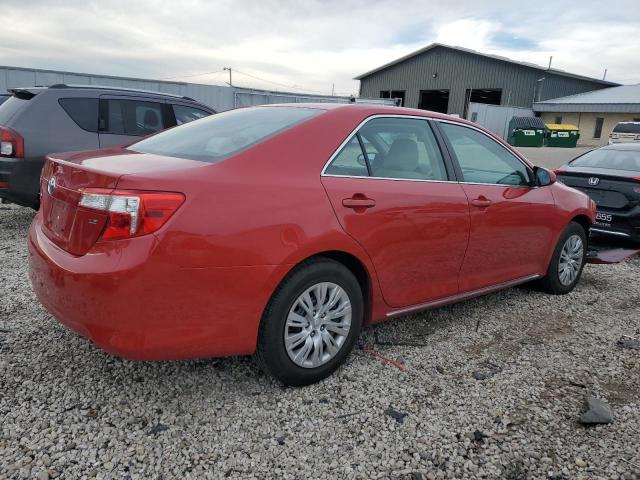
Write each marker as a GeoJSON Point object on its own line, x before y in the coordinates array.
{"type": "Point", "coordinates": [627, 128]}
{"type": "Point", "coordinates": [613, 159]}
{"type": "Point", "coordinates": [9, 108]}
{"type": "Point", "coordinates": [219, 136]}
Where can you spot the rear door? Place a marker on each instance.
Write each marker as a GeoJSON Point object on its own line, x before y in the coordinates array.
{"type": "Point", "coordinates": [511, 232]}
{"type": "Point", "coordinates": [123, 118]}
{"type": "Point", "coordinates": [393, 193]}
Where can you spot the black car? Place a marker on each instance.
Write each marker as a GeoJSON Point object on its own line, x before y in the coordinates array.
{"type": "Point", "coordinates": [610, 175]}
{"type": "Point", "coordinates": [36, 121]}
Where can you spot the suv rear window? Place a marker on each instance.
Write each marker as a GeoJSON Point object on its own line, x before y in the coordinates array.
{"type": "Point", "coordinates": [219, 136]}
{"type": "Point", "coordinates": [83, 111]}
{"type": "Point", "coordinates": [627, 128]}
{"type": "Point", "coordinates": [9, 108]}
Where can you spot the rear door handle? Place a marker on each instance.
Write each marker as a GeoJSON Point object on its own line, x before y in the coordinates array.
{"type": "Point", "coordinates": [481, 202]}
{"type": "Point", "coordinates": [359, 202]}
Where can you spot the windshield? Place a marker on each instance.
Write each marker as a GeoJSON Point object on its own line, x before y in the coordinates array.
{"type": "Point", "coordinates": [612, 159]}
{"type": "Point", "coordinates": [219, 136]}
{"type": "Point", "coordinates": [627, 128]}
{"type": "Point", "coordinates": [9, 108]}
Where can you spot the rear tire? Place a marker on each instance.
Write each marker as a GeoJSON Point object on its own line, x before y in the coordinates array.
{"type": "Point", "coordinates": [567, 262]}
{"type": "Point", "coordinates": [311, 322]}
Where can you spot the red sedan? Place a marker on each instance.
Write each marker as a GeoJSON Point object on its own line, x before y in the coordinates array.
{"type": "Point", "coordinates": [282, 230]}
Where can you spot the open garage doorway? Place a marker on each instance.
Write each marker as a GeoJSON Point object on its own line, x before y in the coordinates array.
{"type": "Point", "coordinates": [488, 96]}
{"type": "Point", "coordinates": [434, 100]}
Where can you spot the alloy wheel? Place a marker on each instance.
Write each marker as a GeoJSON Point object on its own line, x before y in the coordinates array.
{"type": "Point", "coordinates": [317, 325]}
{"type": "Point", "coordinates": [570, 261]}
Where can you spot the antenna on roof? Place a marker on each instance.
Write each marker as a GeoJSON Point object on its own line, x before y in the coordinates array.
{"type": "Point", "coordinates": [605, 74]}
{"type": "Point", "coordinates": [550, 60]}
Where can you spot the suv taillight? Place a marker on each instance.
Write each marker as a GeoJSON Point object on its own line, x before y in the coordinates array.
{"type": "Point", "coordinates": [131, 213]}
{"type": "Point", "coordinates": [11, 143]}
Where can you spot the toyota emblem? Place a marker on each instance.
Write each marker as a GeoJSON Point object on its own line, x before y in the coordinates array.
{"type": "Point", "coordinates": [51, 185]}
{"type": "Point", "coordinates": [594, 181]}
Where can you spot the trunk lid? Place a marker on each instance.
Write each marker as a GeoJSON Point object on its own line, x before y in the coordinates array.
{"type": "Point", "coordinates": [65, 176]}
{"type": "Point", "coordinates": [614, 190]}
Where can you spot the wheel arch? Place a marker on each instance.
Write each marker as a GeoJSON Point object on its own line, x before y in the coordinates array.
{"type": "Point", "coordinates": [584, 221]}
{"type": "Point", "coordinates": [357, 266]}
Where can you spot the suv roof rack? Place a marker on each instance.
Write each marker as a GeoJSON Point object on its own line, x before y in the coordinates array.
{"type": "Point", "coordinates": [120, 89]}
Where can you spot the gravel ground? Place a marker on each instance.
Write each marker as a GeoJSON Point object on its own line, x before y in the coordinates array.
{"type": "Point", "coordinates": [68, 410]}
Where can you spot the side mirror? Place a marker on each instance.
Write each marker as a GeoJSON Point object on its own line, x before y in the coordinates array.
{"type": "Point", "coordinates": [544, 177]}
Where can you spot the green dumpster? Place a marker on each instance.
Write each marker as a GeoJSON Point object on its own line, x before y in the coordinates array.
{"type": "Point", "coordinates": [526, 132]}
{"type": "Point", "coordinates": [562, 135]}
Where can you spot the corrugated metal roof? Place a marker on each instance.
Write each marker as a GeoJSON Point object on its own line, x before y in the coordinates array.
{"type": "Point", "coordinates": [625, 98]}
{"type": "Point", "coordinates": [494, 57]}
{"type": "Point", "coordinates": [526, 122]}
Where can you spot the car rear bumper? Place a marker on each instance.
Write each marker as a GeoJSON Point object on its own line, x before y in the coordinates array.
{"type": "Point", "coordinates": [131, 303]}
{"type": "Point", "coordinates": [623, 225]}
{"type": "Point", "coordinates": [19, 181]}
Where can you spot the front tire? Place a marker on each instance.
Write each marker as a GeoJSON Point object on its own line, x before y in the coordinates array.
{"type": "Point", "coordinates": [311, 322]}
{"type": "Point", "coordinates": [567, 262]}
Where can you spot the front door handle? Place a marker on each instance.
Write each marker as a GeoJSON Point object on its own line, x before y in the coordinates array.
{"type": "Point", "coordinates": [358, 202]}
{"type": "Point", "coordinates": [481, 202]}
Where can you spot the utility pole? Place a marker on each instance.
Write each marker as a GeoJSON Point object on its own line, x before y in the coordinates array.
{"type": "Point", "coordinates": [605, 74]}
{"type": "Point", "coordinates": [229, 69]}
{"type": "Point", "coordinates": [550, 60]}
{"type": "Point", "coordinates": [333, 88]}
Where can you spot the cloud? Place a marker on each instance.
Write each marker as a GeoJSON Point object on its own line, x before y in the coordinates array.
{"type": "Point", "coordinates": [308, 45]}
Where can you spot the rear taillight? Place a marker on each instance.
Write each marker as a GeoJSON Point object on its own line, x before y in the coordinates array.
{"type": "Point", "coordinates": [11, 143]}
{"type": "Point", "coordinates": [131, 213]}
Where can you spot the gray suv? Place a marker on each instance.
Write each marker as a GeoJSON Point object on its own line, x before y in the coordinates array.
{"type": "Point", "coordinates": [41, 120]}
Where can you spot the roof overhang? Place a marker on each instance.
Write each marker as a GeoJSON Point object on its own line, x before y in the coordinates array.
{"type": "Point", "coordinates": [587, 107]}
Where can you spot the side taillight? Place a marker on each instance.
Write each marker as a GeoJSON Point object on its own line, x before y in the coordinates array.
{"type": "Point", "coordinates": [11, 143]}
{"type": "Point", "coordinates": [131, 213]}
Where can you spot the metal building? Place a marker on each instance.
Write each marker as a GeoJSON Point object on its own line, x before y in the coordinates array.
{"type": "Point", "coordinates": [446, 79]}
{"type": "Point", "coordinates": [219, 98]}
{"type": "Point", "coordinates": [595, 113]}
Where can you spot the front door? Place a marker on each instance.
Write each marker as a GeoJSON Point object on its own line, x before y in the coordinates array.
{"type": "Point", "coordinates": [511, 227]}
{"type": "Point", "coordinates": [395, 198]}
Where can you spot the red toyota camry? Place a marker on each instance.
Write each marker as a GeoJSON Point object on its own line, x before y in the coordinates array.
{"type": "Point", "coordinates": [281, 230]}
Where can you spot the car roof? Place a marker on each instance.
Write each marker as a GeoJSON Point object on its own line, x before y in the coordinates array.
{"type": "Point", "coordinates": [61, 86]}
{"type": "Point", "coordinates": [374, 109]}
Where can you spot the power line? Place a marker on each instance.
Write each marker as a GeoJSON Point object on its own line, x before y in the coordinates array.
{"type": "Point", "coordinates": [298, 87]}
{"type": "Point", "coordinates": [191, 76]}
{"type": "Point", "coordinates": [255, 77]}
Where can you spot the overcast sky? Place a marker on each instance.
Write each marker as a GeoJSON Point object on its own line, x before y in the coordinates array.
{"type": "Point", "coordinates": [310, 45]}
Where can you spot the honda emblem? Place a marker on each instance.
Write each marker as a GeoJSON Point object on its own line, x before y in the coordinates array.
{"type": "Point", "coordinates": [593, 181]}
{"type": "Point", "coordinates": [51, 185]}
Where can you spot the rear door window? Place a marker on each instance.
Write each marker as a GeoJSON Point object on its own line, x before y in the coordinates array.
{"type": "Point", "coordinates": [83, 111]}
{"type": "Point", "coordinates": [185, 114]}
{"type": "Point", "coordinates": [402, 148]}
{"type": "Point", "coordinates": [132, 117]}
{"type": "Point", "coordinates": [219, 136]}
{"type": "Point", "coordinates": [483, 160]}
{"type": "Point", "coordinates": [350, 161]}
